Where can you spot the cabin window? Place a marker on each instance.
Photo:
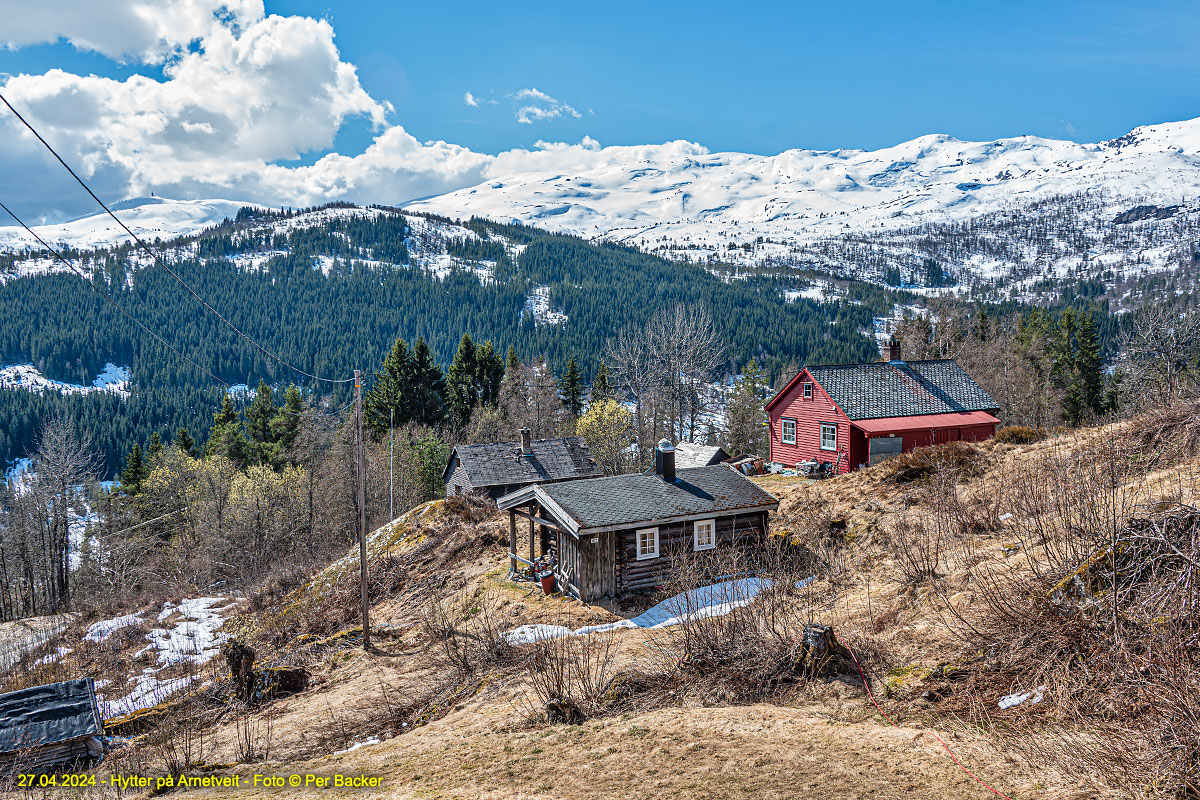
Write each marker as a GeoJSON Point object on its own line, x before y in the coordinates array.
{"type": "Point", "coordinates": [807, 391]}
{"type": "Point", "coordinates": [647, 543]}
{"type": "Point", "coordinates": [705, 534]}
{"type": "Point", "coordinates": [828, 436]}
{"type": "Point", "coordinates": [788, 432]}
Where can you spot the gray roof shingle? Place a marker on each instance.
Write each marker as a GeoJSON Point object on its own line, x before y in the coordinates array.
{"type": "Point", "coordinates": [627, 500]}
{"type": "Point", "coordinates": [501, 463]}
{"type": "Point", "coordinates": [902, 388]}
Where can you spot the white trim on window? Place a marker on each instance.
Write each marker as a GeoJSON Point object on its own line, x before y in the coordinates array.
{"type": "Point", "coordinates": [784, 435]}
{"type": "Point", "coordinates": [830, 429]}
{"type": "Point", "coordinates": [807, 390]}
{"type": "Point", "coordinates": [704, 534]}
{"type": "Point", "coordinates": [646, 540]}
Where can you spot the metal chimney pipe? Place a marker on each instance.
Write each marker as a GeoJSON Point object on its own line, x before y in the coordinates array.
{"type": "Point", "coordinates": [664, 461]}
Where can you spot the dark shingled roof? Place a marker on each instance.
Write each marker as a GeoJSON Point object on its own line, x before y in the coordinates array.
{"type": "Point", "coordinates": [501, 463]}
{"type": "Point", "coordinates": [44, 715]}
{"type": "Point", "coordinates": [902, 389]}
{"type": "Point", "coordinates": [627, 500]}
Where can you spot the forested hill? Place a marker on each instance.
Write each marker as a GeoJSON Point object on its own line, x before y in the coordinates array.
{"type": "Point", "coordinates": [330, 289]}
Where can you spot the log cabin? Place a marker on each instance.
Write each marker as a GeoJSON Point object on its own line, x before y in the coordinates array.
{"type": "Point", "coordinates": [838, 418]}
{"type": "Point", "coordinates": [498, 468]}
{"type": "Point", "coordinates": [609, 537]}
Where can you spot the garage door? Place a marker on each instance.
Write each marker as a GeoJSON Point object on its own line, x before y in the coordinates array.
{"type": "Point", "coordinates": [883, 448]}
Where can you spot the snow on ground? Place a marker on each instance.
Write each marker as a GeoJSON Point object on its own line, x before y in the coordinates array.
{"type": "Point", "coordinates": [1013, 700]}
{"type": "Point", "coordinates": [51, 658]}
{"type": "Point", "coordinates": [100, 631]}
{"type": "Point", "coordinates": [704, 602]}
{"type": "Point", "coordinates": [538, 304]}
{"type": "Point", "coordinates": [365, 743]}
{"type": "Point", "coordinates": [193, 641]}
{"type": "Point", "coordinates": [111, 379]}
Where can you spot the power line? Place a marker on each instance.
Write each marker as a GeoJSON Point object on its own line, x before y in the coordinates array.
{"type": "Point", "coordinates": [155, 256]}
{"type": "Point", "coordinates": [109, 298]}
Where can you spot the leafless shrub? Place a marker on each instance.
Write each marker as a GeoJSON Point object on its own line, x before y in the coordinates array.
{"type": "Point", "coordinates": [1164, 435]}
{"type": "Point", "coordinates": [253, 733]}
{"type": "Point", "coordinates": [962, 458]}
{"type": "Point", "coordinates": [181, 741]}
{"type": "Point", "coordinates": [1019, 434]}
{"type": "Point", "coordinates": [472, 642]}
{"type": "Point", "coordinates": [570, 675]}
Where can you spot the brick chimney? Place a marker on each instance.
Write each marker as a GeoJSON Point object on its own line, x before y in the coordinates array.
{"type": "Point", "coordinates": [893, 349]}
{"type": "Point", "coordinates": [664, 461]}
{"type": "Point", "coordinates": [526, 442]}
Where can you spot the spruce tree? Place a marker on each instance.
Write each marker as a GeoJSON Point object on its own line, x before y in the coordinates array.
{"type": "Point", "coordinates": [155, 449]}
{"type": "Point", "coordinates": [428, 406]}
{"type": "Point", "coordinates": [489, 373]}
{"type": "Point", "coordinates": [512, 363]}
{"type": "Point", "coordinates": [135, 472]}
{"type": "Point", "coordinates": [185, 442]}
{"type": "Point", "coordinates": [570, 388]}
{"type": "Point", "coordinates": [286, 422]}
{"type": "Point", "coordinates": [1089, 365]}
{"type": "Point", "coordinates": [602, 388]}
{"type": "Point", "coordinates": [390, 399]}
{"type": "Point", "coordinates": [227, 413]}
{"type": "Point", "coordinates": [258, 416]}
{"type": "Point", "coordinates": [461, 394]}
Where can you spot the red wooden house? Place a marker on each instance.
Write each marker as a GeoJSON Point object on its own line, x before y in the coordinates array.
{"type": "Point", "coordinates": [842, 417]}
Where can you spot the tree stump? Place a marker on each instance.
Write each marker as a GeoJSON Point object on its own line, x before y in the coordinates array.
{"type": "Point", "coordinates": [240, 657]}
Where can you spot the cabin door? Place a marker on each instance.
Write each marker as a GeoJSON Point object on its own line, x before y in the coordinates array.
{"type": "Point", "coordinates": [946, 435]}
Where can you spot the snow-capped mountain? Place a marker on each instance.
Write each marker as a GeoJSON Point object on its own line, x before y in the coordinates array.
{"type": "Point", "coordinates": [148, 217]}
{"type": "Point", "coordinates": [770, 208]}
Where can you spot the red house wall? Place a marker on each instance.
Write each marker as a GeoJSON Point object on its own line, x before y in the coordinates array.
{"type": "Point", "coordinates": [809, 414]}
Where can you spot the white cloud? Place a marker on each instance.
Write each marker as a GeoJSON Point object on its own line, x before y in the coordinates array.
{"type": "Point", "coordinates": [143, 30]}
{"type": "Point", "coordinates": [470, 100]}
{"type": "Point", "coordinates": [230, 114]}
{"type": "Point", "coordinates": [539, 107]}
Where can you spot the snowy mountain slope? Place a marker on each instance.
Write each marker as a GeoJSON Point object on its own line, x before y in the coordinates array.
{"type": "Point", "coordinates": [149, 217]}
{"type": "Point", "coordinates": [702, 206]}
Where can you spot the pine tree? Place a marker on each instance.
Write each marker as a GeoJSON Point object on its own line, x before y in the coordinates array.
{"type": "Point", "coordinates": [602, 388]}
{"type": "Point", "coordinates": [185, 442]}
{"type": "Point", "coordinates": [511, 363]}
{"type": "Point", "coordinates": [461, 394]}
{"type": "Point", "coordinates": [570, 388]}
{"type": "Point", "coordinates": [390, 399]}
{"type": "Point", "coordinates": [747, 431]}
{"type": "Point", "coordinates": [135, 472]}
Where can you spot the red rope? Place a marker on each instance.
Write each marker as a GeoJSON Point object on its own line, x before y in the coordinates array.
{"type": "Point", "coordinates": [945, 746]}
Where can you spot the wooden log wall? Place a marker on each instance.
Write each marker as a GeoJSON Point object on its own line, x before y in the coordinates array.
{"type": "Point", "coordinates": [743, 531]}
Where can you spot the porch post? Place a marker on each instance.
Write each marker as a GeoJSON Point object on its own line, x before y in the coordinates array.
{"type": "Point", "coordinates": [512, 541]}
{"type": "Point", "coordinates": [537, 512]}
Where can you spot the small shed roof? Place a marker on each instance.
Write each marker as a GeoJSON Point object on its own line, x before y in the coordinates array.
{"type": "Point", "coordinates": [698, 455]}
{"type": "Point", "coordinates": [50, 714]}
{"type": "Point", "coordinates": [501, 463]}
{"type": "Point", "coordinates": [899, 388]}
{"type": "Point", "coordinates": [900, 424]}
{"type": "Point", "coordinates": [623, 501]}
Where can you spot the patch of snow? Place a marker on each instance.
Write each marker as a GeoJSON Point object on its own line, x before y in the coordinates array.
{"type": "Point", "coordinates": [704, 602]}
{"type": "Point", "coordinates": [112, 379]}
{"type": "Point", "coordinates": [356, 745]}
{"type": "Point", "coordinates": [1013, 700]}
{"type": "Point", "coordinates": [51, 658]}
{"type": "Point", "coordinates": [99, 631]}
{"type": "Point", "coordinates": [538, 304]}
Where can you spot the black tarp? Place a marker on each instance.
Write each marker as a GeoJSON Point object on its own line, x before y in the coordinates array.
{"type": "Point", "coordinates": [50, 714]}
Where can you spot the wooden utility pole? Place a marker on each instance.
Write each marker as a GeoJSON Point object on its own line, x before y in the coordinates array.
{"type": "Point", "coordinates": [362, 508]}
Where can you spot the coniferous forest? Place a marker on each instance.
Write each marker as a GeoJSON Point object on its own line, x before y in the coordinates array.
{"type": "Point", "coordinates": [330, 293]}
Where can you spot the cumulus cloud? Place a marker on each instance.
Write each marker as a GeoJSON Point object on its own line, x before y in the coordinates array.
{"type": "Point", "coordinates": [242, 96]}
{"type": "Point", "coordinates": [537, 106]}
{"type": "Point", "coordinates": [470, 100]}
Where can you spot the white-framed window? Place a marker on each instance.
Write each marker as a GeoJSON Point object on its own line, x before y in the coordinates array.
{"type": "Point", "coordinates": [828, 436]}
{"type": "Point", "coordinates": [787, 431]}
{"type": "Point", "coordinates": [704, 534]}
{"type": "Point", "coordinates": [647, 543]}
{"type": "Point", "coordinates": [807, 390]}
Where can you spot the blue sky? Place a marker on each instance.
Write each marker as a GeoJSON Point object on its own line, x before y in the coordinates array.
{"type": "Point", "coordinates": [772, 76]}
{"type": "Point", "coordinates": [306, 100]}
